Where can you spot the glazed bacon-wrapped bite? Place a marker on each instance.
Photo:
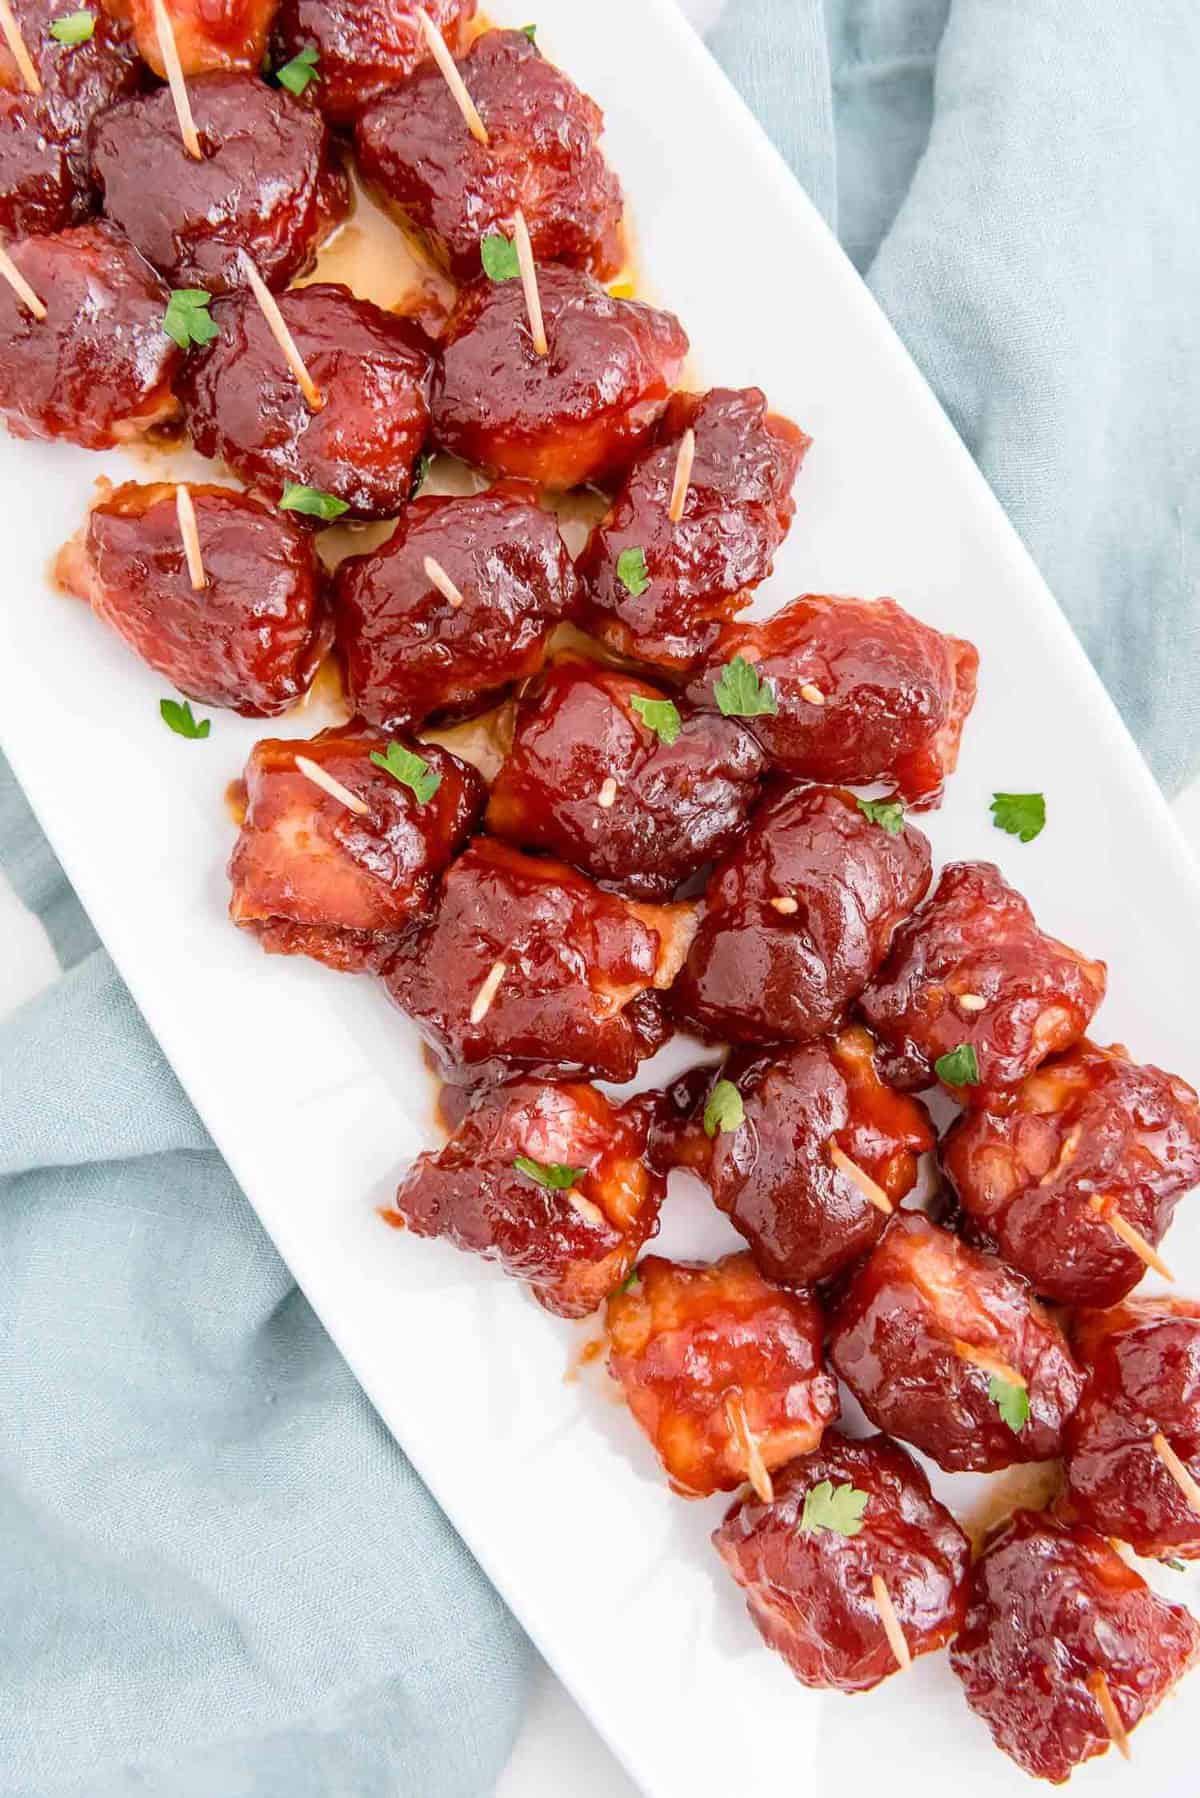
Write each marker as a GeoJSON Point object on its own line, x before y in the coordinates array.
{"type": "Point", "coordinates": [947, 1349]}
{"type": "Point", "coordinates": [541, 157]}
{"type": "Point", "coordinates": [314, 874]}
{"type": "Point", "coordinates": [799, 916]}
{"type": "Point", "coordinates": [854, 1569]}
{"type": "Point", "coordinates": [576, 414]}
{"type": "Point", "coordinates": [251, 637]}
{"type": "Point", "coordinates": [605, 772]}
{"type": "Point", "coordinates": [723, 1371]}
{"type": "Point", "coordinates": [1065, 1648]}
{"type": "Point", "coordinates": [659, 589]}
{"type": "Point", "coordinates": [852, 690]}
{"type": "Point", "coordinates": [209, 34]}
{"type": "Point", "coordinates": [364, 50]}
{"type": "Point", "coordinates": [265, 185]}
{"type": "Point", "coordinates": [45, 167]}
{"type": "Point", "coordinates": [459, 602]}
{"type": "Point", "coordinates": [98, 369]}
{"type": "Point", "coordinates": [974, 993]}
{"type": "Point", "coordinates": [1092, 1145]}
{"type": "Point", "coordinates": [807, 1152]}
{"type": "Point", "coordinates": [372, 370]}
{"type": "Point", "coordinates": [1133, 1445]}
{"type": "Point", "coordinates": [550, 1181]}
{"type": "Point", "coordinates": [528, 965]}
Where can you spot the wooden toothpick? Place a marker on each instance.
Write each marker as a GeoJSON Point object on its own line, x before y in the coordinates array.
{"type": "Point", "coordinates": [812, 693]}
{"type": "Point", "coordinates": [990, 1364]}
{"type": "Point", "coordinates": [487, 992]}
{"type": "Point", "coordinates": [440, 52]}
{"type": "Point", "coordinates": [891, 1623]}
{"type": "Point", "coordinates": [1133, 1239]}
{"type": "Point", "coordinates": [1178, 1470]}
{"type": "Point", "coordinates": [168, 49]}
{"type": "Point", "coordinates": [756, 1467]}
{"type": "Point", "coordinates": [1099, 1688]}
{"type": "Point", "coordinates": [314, 398]}
{"type": "Point", "coordinates": [529, 281]}
{"type": "Point", "coordinates": [16, 45]}
{"type": "Point", "coordinates": [868, 1187]}
{"type": "Point", "coordinates": [313, 771]}
{"type": "Point", "coordinates": [20, 286]}
{"type": "Point", "coordinates": [683, 475]}
{"type": "Point", "coordinates": [437, 577]}
{"type": "Point", "coordinates": [188, 530]}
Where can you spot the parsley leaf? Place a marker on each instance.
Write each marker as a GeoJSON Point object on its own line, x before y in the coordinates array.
{"type": "Point", "coordinates": [838, 1509]}
{"type": "Point", "coordinates": [499, 257]}
{"type": "Point", "coordinates": [632, 571]}
{"type": "Point", "coordinates": [1175, 1566]}
{"type": "Point", "coordinates": [1011, 1401]}
{"type": "Point", "coordinates": [312, 502]}
{"type": "Point", "coordinates": [554, 1175]}
{"type": "Point", "coordinates": [741, 694]}
{"type": "Point", "coordinates": [302, 69]}
{"type": "Point", "coordinates": [1020, 814]}
{"type": "Point", "coordinates": [630, 1280]}
{"type": "Point", "coordinates": [186, 318]}
{"type": "Point", "coordinates": [724, 1110]}
{"type": "Point", "coordinates": [887, 813]}
{"type": "Point", "coordinates": [959, 1068]}
{"type": "Point", "coordinates": [178, 717]}
{"type": "Point", "coordinates": [410, 770]}
{"type": "Point", "coordinates": [74, 27]}
{"type": "Point", "coordinates": [660, 715]}
{"type": "Point", "coordinates": [530, 31]}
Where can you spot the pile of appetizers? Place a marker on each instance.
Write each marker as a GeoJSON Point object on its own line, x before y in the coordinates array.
{"type": "Point", "coordinates": [691, 822]}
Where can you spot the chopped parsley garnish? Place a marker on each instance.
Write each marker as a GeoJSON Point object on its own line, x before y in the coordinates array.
{"type": "Point", "coordinates": [1022, 815]}
{"type": "Point", "coordinates": [632, 571]}
{"type": "Point", "coordinates": [186, 318]}
{"type": "Point", "coordinates": [1011, 1401]}
{"type": "Point", "coordinates": [959, 1068]}
{"type": "Point", "coordinates": [312, 502]}
{"type": "Point", "coordinates": [740, 693]}
{"type": "Point", "coordinates": [887, 813]}
{"type": "Point", "coordinates": [530, 31]}
{"type": "Point", "coordinates": [74, 27]}
{"type": "Point", "coordinates": [499, 256]}
{"type": "Point", "coordinates": [630, 1280]}
{"type": "Point", "coordinates": [659, 715]}
{"type": "Point", "coordinates": [1175, 1566]}
{"type": "Point", "coordinates": [555, 1175]}
{"type": "Point", "coordinates": [302, 69]}
{"type": "Point", "coordinates": [724, 1111]}
{"type": "Point", "coordinates": [835, 1508]}
{"type": "Point", "coordinates": [178, 717]}
{"type": "Point", "coordinates": [410, 770]}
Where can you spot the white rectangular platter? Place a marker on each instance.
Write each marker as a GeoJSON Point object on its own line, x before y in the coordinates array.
{"type": "Point", "coordinates": [313, 1087]}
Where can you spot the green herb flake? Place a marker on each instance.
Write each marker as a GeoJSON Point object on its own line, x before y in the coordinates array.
{"type": "Point", "coordinates": [887, 813]}
{"type": "Point", "coordinates": [724, 1111]}
{"type": "Point", "coordinates": [1011, 1401]}
{"type": "Point", "coordinates": [959, 1068]}
{"type": "Point", "coordinates": [1022, 815]}
{"type": "Point", "coordinates": [312, 502]}
{"type": "Point", "coordinates": [420, 473]}
{"type": "Point", "coordinates": [630, 1280]}
{"type": "Point", "coordinates": [499, 257]}
{"type": "Point", "coordinates": [1176, 1566]}
{"type": "Point", "coordinates": [186, 318]}
{"type": "Point", "coordinates": [409, 770]}
{"type": "Point", "coordinates": [302, 69]}
{"type": "Point", "coordinates": [740, 693]}
{"type": "Point", "coordinates": [177, 716]}
{"type": "Point", "coordinates": [632, 571]}
{"type": "Point", "coordinates": [659, 715]}
{"type": "Point", "coordinates": [530, 31]}
{"type": "Point", "coordinates": [838, 1509]}
{"type": "Point", "coordinates": [554, 1175]}
{"type": "Point", "coordinates": [73, 28]}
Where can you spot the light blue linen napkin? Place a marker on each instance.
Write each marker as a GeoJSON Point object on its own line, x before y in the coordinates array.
{"type": "Point", "coordinates": [217, 1574]}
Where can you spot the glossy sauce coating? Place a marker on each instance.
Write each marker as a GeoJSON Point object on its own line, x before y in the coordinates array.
{"type": "Point", "coordinates": [542, 157]}
{"type": "Point", "coordinates": [977, 939]}
{"type": "Point", "coordinates": [1090, 1125]}
{"type": "Point", "coordinates": [703, 570]}
{"type": "Point", "coordinates": [580, 971]}
{"type": "Point", "coordinates": [373, 370]}
{"type": "Point", "coordinates": [798, 917]}
{"type": "Point", "coordinates": [577, 414]}
{"type": "Point", "coordinates": [98, 369]}
{"type": "Point", "coordinates": [251, 639]}
{"type": "Point", "coordinates": [587, 779]}
{"type": "Point", "coordinates": [312, 877]}
{"type": "Point", "coordinates": [892, 694]}
{"type": "Point", "coordinates": [265, 183]}
{"type": "Point", "coordinates": [705, 1354]}
{"type": "Point", "coordinates": [45, 166]}
{"type": "Point", "coordinates": [573, 1245]}
{"type": "Point", "coordinates": [209, 34]}
{"type": "Point", "coordinates": [894, 1338]}
{"type": "Point", "coordinates": [410, 652]}
{"type": "Point", "coordinates": [1142, 1362]}
{"type": "Point", "coordinates": [1050, 1607]}
{"type": "Point", "coordinates": [364, 50]}
{"type": "Point", "coordinates": [810, 1592]}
